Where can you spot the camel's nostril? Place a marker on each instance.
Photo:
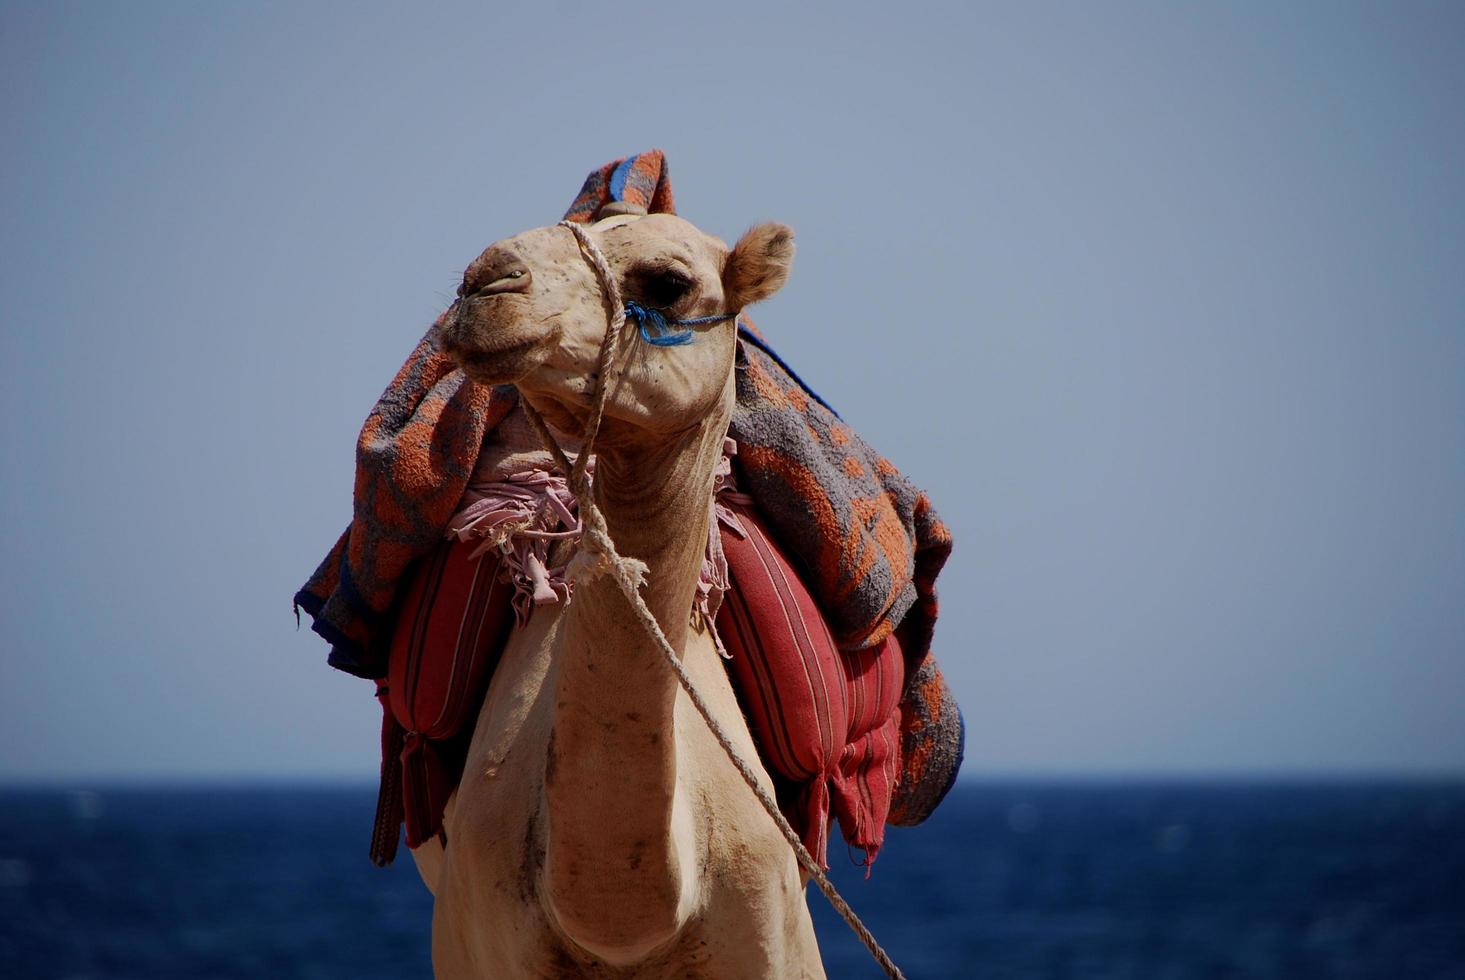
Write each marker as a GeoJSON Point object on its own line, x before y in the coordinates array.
{"type": "Point", "coordinates": [500, 269]}
{"type": "Point", "coordinates": [512, 281]}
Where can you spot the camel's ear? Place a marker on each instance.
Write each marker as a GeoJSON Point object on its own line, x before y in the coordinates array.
{"type": "Point", "coordinates": [758, 265]}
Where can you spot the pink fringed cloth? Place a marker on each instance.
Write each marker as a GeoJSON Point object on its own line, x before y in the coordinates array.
{"type": "Point", "coordinates": [519, 518]}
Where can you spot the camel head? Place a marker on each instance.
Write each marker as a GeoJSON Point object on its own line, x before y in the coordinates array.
{"type": "Point", "coordinates": [532, 312]}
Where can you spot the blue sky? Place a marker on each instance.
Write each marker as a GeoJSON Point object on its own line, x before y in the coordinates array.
{"type": "Point", "coordinates": [1163, 304]}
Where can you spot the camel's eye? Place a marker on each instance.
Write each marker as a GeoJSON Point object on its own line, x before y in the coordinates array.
{"type": "Point", "coordinates": [661, 288]}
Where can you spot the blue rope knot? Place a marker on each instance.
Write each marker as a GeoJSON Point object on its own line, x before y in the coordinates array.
{"type": "Point", "coordinates": [656, 329]}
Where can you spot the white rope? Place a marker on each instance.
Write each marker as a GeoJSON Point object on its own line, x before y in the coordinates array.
{"type": "Point", "coordinates": [597, 556]}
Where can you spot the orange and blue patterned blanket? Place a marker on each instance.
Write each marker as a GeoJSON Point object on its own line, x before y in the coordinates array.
{"type": "Point", "coordinates": [868, 540]}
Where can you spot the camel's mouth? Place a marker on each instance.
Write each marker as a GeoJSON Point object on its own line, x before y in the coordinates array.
{"type": "Point", "coordinates": [482, 362]}
{"type": "Point", "coordinates": [505, 363]}
{"type": "Point", "coordinates": [499, 344]}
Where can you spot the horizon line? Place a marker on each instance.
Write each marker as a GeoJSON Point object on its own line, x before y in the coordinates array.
{"type": "Point", "coordinates": [344, 780]}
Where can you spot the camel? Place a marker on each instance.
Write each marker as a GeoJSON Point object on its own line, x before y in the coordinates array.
{"type": "Point", "coordinates": [599, 829]}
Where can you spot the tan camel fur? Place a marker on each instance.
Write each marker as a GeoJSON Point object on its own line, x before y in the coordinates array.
{"type": "Point", "coordinates": [599, 830]}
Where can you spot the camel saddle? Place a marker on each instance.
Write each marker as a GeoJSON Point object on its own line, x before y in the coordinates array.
{"type": "Point", "coordinates": [850, 711]}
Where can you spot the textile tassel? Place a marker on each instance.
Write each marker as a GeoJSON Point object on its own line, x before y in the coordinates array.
{"type": "Point", "coordinates": [387, 827]}
{"type": "Point", "coordinates": [813, 811]}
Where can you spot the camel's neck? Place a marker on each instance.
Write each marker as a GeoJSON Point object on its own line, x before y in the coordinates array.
{"type": "Point", "coordinates": [618, 871]}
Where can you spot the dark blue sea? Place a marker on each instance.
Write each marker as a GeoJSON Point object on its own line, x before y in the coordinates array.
{"type": "Point", "coordinates": [1058, 879]}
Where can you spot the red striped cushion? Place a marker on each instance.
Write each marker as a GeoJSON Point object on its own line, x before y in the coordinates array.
{"type": "Point", "coordinates": [824, 719]}
{"type": "Point", "coordinates": [449, 633]}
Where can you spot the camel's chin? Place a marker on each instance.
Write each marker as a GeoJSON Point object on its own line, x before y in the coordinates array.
{"type": "Point", "coordinates": [567, 418]}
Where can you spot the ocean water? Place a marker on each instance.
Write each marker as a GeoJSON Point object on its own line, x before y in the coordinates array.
{"type": "Point", "coordinates": [1058, 879]}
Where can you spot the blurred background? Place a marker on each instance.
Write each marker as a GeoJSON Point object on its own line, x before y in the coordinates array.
{"type": "Point", "coordinates": [1163, 304]}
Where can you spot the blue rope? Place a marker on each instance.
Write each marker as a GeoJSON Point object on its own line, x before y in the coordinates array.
{"type": "Point", "coordinates": [656, 328]}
